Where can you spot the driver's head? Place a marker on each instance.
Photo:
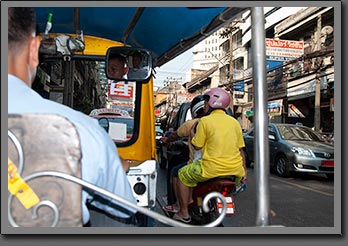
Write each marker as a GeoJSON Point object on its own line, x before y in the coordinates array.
{"type": "Point", "coordinates": [23, 44]}
{"type": "Point", "coordinates": [117, 66]}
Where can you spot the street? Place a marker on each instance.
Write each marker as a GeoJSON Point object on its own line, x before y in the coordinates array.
{"type": "Point", "coordinates": [303, 200]}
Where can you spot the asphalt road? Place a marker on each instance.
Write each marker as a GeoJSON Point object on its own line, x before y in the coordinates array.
{"type": "Point", "coordinates": [298, 201]}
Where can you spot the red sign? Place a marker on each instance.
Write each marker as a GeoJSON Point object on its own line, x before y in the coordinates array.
{"type": "Point", "coordinates": [121, 90]}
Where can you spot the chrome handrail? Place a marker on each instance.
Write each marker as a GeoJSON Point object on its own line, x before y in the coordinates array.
{"type": "Point", "coordinates": [19, 149]}
{"type": "Point", "coordinates": [155, 215]}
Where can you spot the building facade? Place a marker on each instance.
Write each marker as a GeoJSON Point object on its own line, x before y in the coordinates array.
{"type": "Point", "coordinates": [299, 58]}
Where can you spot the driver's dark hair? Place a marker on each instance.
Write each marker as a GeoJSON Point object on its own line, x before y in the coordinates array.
{"type": "Point", "coordinates": [137, 53]}
{"type": "Point", "coordinates": [118, 57]}
{"type": "Point", "coordinates": [21, 25]}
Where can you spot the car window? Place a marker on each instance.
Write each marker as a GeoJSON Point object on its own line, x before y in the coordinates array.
{"type": "Point", "coordinates": [298, 133]}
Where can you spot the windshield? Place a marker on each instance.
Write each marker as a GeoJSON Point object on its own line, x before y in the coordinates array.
{"type": "Point", "coordinates": [299, 133]}
{"type": "Point", "coordinates": [102, 94]}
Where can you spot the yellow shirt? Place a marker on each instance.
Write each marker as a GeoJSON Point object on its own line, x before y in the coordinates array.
{"type": "Point", "coordinates": [220, 137]}
{"type": "Point", "coordinates": [184, 131]}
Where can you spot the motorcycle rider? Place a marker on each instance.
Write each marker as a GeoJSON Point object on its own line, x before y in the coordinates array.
{"type": "Point", "coordinates": [221, 140]}
{"type": "Point", "coordinates": [197, 111]}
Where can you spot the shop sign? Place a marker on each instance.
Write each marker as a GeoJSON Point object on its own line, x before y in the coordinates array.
{"type": "Point", "coordinates": [294, 112]}
{"type": "Point", "coordinates": [274, 108]}
{"type": "Point", "coordinates": [121, 90]}
{"type": "Point", "coordinates": [283, 50]}
{"type": "Point", "coordinates": [238, 88]}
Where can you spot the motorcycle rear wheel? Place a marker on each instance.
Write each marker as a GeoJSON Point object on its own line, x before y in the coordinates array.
{"type": "Point", "coordinates": [199, 217]}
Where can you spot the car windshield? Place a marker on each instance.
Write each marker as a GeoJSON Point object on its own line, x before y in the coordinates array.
{"type": "Point", "coordinates": [120, 129]}
{"type": "Point", "coordinates": [299, 133]}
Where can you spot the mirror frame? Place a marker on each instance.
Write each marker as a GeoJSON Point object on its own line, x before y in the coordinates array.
{"type": "Point", "coordinates": [127, 51]}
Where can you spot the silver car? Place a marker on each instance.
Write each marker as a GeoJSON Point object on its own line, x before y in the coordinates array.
{"type": "Point", "coordinates": [294, 148]}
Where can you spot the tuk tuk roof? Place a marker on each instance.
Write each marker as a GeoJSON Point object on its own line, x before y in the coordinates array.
{"type": "Point", "coordinates": [165, 31]}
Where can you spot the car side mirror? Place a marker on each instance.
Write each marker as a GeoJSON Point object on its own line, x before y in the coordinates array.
{"type": "Point", "coordinates": [128, 64]}
{"type": "Point", "coordinates": [271, 137]}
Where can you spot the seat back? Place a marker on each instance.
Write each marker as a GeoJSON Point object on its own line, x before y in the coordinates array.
{"type": "Point", "coordinates": [39, 143]}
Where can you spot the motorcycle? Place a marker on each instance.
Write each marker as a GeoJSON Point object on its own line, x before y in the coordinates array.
{"type": "Point", "coordinates": [224, 185]}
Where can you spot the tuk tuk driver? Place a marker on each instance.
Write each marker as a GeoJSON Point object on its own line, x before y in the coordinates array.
{"type": "Point", "coordinates": [117, 67]}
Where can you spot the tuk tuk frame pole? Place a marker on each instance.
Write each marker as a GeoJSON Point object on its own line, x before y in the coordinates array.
{"type": "Point", "coordinates": [260, 115]}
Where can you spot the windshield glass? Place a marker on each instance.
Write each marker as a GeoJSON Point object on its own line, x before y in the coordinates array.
{"type": "Point", "coordinates": [299, 133]}
{"type": "Point", "coordinates": [95, 98]}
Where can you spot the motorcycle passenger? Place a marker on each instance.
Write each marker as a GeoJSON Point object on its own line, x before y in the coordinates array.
{"type": "Point", "coordinates": [197, 112]}
{"type": "Point", "coordinates": [221, 140]}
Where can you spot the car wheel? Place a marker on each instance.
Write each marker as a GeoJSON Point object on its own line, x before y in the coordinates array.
{"type": "Point", "coordinates": [282, 166]}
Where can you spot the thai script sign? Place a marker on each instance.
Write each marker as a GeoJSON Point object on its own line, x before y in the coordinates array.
{"type": "Point", "coordinates": [283, 50]}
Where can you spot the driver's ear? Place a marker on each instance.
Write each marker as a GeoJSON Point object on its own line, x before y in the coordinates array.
{"type": "Point", "coordinates": [34, 45]}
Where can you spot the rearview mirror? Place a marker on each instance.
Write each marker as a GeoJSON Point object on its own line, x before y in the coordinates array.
{"type": "Point", "coordinates": [128, 64]}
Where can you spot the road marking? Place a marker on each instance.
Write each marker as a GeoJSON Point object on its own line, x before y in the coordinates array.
{"type": "Point", "coordinates": [303, 187]}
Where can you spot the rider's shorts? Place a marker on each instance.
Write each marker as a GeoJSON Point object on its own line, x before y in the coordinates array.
{"type": "Point", "coordinates": [191, 174]}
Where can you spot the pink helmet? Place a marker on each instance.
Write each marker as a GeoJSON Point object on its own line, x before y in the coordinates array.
{"type": "Point", "coordinates": [217, 98]}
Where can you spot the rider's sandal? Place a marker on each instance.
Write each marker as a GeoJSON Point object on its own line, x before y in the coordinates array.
{"type": "Point", "coordinates": [171, 208]}
{"type": "Point", "coordinates": [185, 220]}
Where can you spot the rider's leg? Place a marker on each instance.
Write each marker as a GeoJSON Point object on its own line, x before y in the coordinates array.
{"type": "Point", "coordinates": [189, 176]}
{"type": "Point", "coordinates": [183, 198]}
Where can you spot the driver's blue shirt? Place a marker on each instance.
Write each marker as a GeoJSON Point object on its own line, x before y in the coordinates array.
{"type": "Point", "coordinates": [101, 164]}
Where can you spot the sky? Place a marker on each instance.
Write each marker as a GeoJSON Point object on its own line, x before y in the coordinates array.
{"type": "Point", "coordinates": [174, 69]}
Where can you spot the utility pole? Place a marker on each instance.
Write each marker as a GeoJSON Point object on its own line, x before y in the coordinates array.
{"type": "Point", "coordinates": [231, 70]}
{"type": "Point", "coordinates": [172, 83]}
{"type": "Point", "coordinates": [317, 79]}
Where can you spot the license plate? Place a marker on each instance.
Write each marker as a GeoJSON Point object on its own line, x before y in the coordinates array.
{"type": "Point", "coordinates": [327, 163]}
{"type": "Point", "coordinates": [230, 205]}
